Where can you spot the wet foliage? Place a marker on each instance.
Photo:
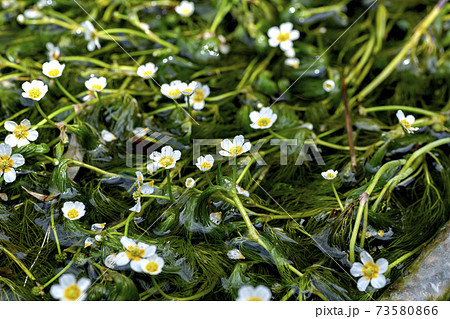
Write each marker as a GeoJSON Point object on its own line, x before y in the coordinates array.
{"type": "Point", "coordinates": [297, 240]}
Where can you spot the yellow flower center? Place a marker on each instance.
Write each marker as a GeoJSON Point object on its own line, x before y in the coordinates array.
{"type": "Point", "coordinates": [370, 270]}
{"type": "Point", "coordinates": [263, 122]}
{"type": "Point", "coordinates": [283, 37]}
{"type": "Point", "coordinates": [166, 161]}
{"type": "Point", "coordinates": [199, 96]}
{"type": "Point", "coordinates": [206, 165]}
{"type": "Point", "coordinates": [186, 11]}
{"type": "Point", "coordinates": [54, 72]}
{"type": "Point", "coordinates": [97, 87]}
{"type": "Point", "coordinates": [73, 213]}
{"type": "Point", "coordinates": [152, 267]}
{"type": "Point", "coordinates": [151, 183]}
{"type": "Point", "coordinates": [368, 235]}
{"type": "Point", "coordinates": [72, 293]}
{"type": "Point", "coordinates": [34, 93]}
{"type": "Point", "coordinates": [20, 132]}
{"type": "Point", "coordinates": [6, 163]}
{"type": "Point", "coordinates": [330, 175]}
{"type": "Point", "coordinates": [148, 73]}
{"type": "Point", "coordinates": [406, 124]}
{"type": "Point", "coordinates": [381, 233]}
{"type": "Point", "coordinates": [235, 150]}
{"type": "Point", "coordinates": [174, 92]}
{"type": "Point", "coordinates": [134, 253]}
{"type": "Point", "coordinates": [254, 299]}
{"type": "Point", "coordinates": [189, 182]}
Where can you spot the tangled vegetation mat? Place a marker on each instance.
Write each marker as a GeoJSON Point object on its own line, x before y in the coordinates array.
{"type": "Point", "coordinates": [220, 150]}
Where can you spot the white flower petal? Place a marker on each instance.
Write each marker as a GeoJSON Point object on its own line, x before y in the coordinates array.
{"type": "Point", "coordinates": [362, 283]}
{"type": "Point", "coordinates": [383, 265]}
{"type": "Point", "coordinates": [365, 257]}
{"type": "Point", "coordinates": [378, 282]}
{"type": "Point", "coordinates": [356, 269]}
{"type": "Point", "coordinates": [10, 126]}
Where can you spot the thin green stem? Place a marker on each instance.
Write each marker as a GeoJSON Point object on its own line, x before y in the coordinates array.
{"type": "Point", "coordinates": [169, 185]}
{"type": "Point", "coordinates": [156, 196]}
{"type": "Point", "coordinates": [61, 272]}
{"type": "Point", "coordinates": [406, 256]}
{"type": "Point", "coordinates": [96, 169]}
{"type": "Point", "coordinates": [53, 114]}
{"type": "Point", "coordinates": [363, 234]}
{"type": "Point", "coordinates": [18, 262]}
{"type": "Point", "coordinates": [127, 223]}
{"type": "Point", "coordinates": [208, 179]}
{"type": "Point", "coordinates": [70, 96]}
{"type": "Point", "coordinates": [234, 170]}
{"type": "Point", "coordinates": [38, 107]}
{"type": "Point", "coordinates": [54, 231]}
{"type": "Point", "coordinates": [337, 196]}
{"type": "Point", "coordinates": [403, 108]}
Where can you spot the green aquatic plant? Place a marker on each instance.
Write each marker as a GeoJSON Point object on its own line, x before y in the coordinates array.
{"type": "Point", "coordinates": [117, 111]}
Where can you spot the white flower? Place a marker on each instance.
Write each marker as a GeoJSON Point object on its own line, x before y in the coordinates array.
{"type": "Point", "coordinates": [167, 158]}
{"type": "Point", "coordinates": [283, 36]}
{"type": "Point", "coordinates": [110, 261]}
{"type": "Point", "coordinates": [21, 134]}
{"type": "Point", "coordinates": [34, 90]}
{"type": "Point", "coordinates": [98, 226]}
{"type": "Point", "coordinates": [329, 85]}
{"type": "Point", "coordinates": [309, 126]}
{"type": "Point", "coordinates": [9, 162]}
{"type": "Point", "coordinates": [190, 182]}
{"type": "Point", "coordinates": [88, 242]}
{"type": "Point", "coordinates": [53, 51]}
{"type": "Point", "coordinates": [235, 148]}
{"type": "Point", "coordinates": [137, 208]}
{"type": "Point", "coordinates": [293, 62]}
{"type": "Point", "coordinates": [371, 272]}
{"type": "Point", "coordinates": [242, 191]}
{"type": "Point", "coordinates": [198, 98]}
{"type": "Point", "coordinates": [95, 84]}
{"type": "Point", "coordinates": [262, 119]}
{"type": "Point", "coordinates": [4, 197]}
{"type": "Point", "coordinates": [98, 237]}
{"type": "Point", "coordinates": [248, 293]}
{"type": "Point", "coordinates": [140, 131]}
{"type": "Point", "coordinates": [73, 210]}
{"type": "Point", "coordinates": [152, 167]}
{"type": "Point", "coordinates": [53, 69]}
{"type": "Point", "coordinates": [134, 253]}
{"type": "Point", "coordinates": [216, 218]}
{"type": "Point", "coordinates": [188, 89]}
{"type": "Point", "coordinates": [171, 90]}
{"type": "Point", "coordinates": [144, 188]}
{"type": "Point", "coordinates": [90, 34]}
{"type": "Point", "coordinates": [204, 163]}
{"type": "Point", "coordinates": [235, 254]}
{"type": "Point", "coordinates": [330, 174]}
{"type": "Point", "coordinates": [108, 136]}
{"type": "Point", "coordinates": [406, 121]}
{"type": "Point", "coordinates": [147, 71]}
{"type": "Point", "coordinates": [152, 265]}
{"type": "Point", "coordinates": [69, 289]}
{"type": "Point", "coordinates": [290, 53]}
{"type": "Point", "coordinates": [185, 8]}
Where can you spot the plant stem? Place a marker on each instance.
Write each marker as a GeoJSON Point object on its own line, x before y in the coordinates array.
{"type": "Point", "coordinates": [61, 272]}
{"type": "Point", "coordinates": [70, 96]}
{"type": "Point", "coordinates": [127, 223]}
{"type": "Point", "coordinates": [419, 30]}
{"type": "Point", "coordinates": [406, 256]}
{"type": "Point", "coordinates": [208, 179]}
{"type": "Point", "coordinates": [169, 186]}
{"type": "Point", "coordinates": [364, 198]}
{"type": "Point", "coordinates": [363, 234]}
{"type": "Point", "coordinates": [53, 114]}
{"type": "Point", "coordinates": [38, 107]}
{"type": "Point", "coordinates": [156, 196]}
{"type": "Point", "coordinates": [253, 233]}
{"type": "Point", "coordinates": [403, 108]}
{"type": "Point", "coordinates": [54, 231]}
{"type": "Point", "coordinates": [337, 196]}
{"type": "Point", "coordinates": [96, 169]}
{"type": "Point", "coordinates": [234, 170]}
{"type": "Point", "coordinates": [188, 104]}
{"type": "Point", "coordinates": [18, 262]}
